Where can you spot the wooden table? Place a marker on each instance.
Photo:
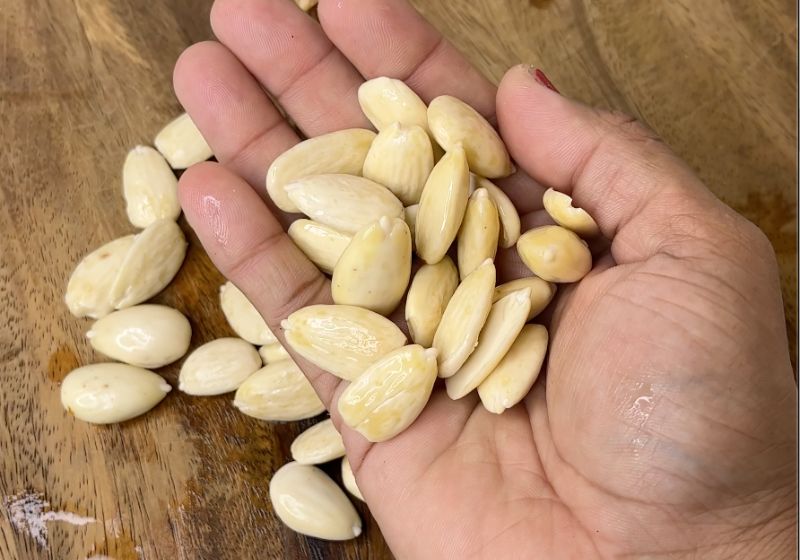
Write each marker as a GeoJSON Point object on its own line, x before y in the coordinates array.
{"type": "Point", "coordinates": [84, 81]}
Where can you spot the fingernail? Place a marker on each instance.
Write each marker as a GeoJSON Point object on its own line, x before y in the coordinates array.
{"type": "Point", "coordinates": [541, 78]}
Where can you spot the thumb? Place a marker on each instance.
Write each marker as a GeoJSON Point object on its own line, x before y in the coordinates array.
{"type": "Point", "coordinates": [643, 197]}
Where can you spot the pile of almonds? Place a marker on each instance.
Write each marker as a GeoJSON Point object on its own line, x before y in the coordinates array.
{"type": "Point", "coordinates": [420, 185]}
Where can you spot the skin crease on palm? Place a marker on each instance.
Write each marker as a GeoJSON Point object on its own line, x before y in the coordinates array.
{"type": "Point", "coordinates": [663, 425]}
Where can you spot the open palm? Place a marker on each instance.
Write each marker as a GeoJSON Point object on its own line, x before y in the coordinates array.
{"type": "Point", "coordinates": [662, 425]}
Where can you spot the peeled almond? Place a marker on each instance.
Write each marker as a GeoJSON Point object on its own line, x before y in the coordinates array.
{"type": "Point", "coordinates": [390, 394]}
{"type": "Point", "coordinates": [463, 318]}
{"type": "Point", "coordinates": [151, 263]}
{"type": "Point", "coordinates": [109, 393]}
{"type": "Point", "coordinates": [309, 502]}
{"type": "Point", "coordinates": [341, 339]}
{"type": "Point", "coordinates": [243, 317]}
{"type": "Point", "coordinates": [218, 367]}
{"type": "Point", "coordinates": [322, 244]}
{"type": "Point", "coordinates": [374, 270]}
{"type": "Point", "coordinates": [442, 206]}
{"type": "Point", "coordinates": [541, 292]}
{"type": "Point", "coordinates": [278, 392]}
{"type": "Point", "coordinates": [386, 101]}
{"type": "Point", "coordinates": [504, 323]}
{"type": "Point", "coordinates": [479, 233]}
{"type": "Point", "coordinates": [516, 373]}
{"type": "Point", "coordinates": [272, 353]}
{"type": "Point", "coordinates": [344, 202]}
{"type": "Point", "coordinates": [559, 206]}
{"type": "Point", "coordinates": [509, 218]}
{"type": "Point", "coordinates": [400, 159]}
{"type": "Point", "coordinates": [555, 254]}
{"type": "Point", "coordinates": [411, 216]}
{"type": "Point", "coordinates": [149, 186]}
{"type": "Point", "coordinates": [349, 479]}
{"type": "Point", "coordinates": [342, 152]}
{"type": "Point", "coordinates": [453, 122]}
{"type": "Point", "coordinates": [306, 5]}
{"type": "Point", "coordinates": [431, 289]}
{"type": "Point", "coordinates": [89, 288]}
{"type": "Point", "coordinates": [318, 444]}
{"type": "Point", "coordinates": [182, 143]}
{"type": "Point", "coordinates": [148, 336]}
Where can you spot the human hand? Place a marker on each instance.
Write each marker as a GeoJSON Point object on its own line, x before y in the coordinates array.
{"type": "Point", "coordinates": [663, 424]}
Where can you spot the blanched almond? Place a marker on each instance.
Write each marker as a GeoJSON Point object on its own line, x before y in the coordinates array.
{"type": "Point", "coordinates": [89, 288]}
{"type": "Point", "coordinates": [374, 270]}
{"type": "Point", "coordinates": [341, 339]}
{"type": "Point", "coordinates": [411, 217]}
{"type": "Point", "coordinates": [306, 5]}
{"type": "Point", "coordinates": [479, 233]}
{"type": "Point", "coordinates": [272, 353]}
{"type": "Point", "coordinates": [182, 143]}
{"type": "Point", "coordinates": [431, 289]}
{"type": "Point", "coordinates": [342, 152]}
{"type": "Point", "coordinates": [310, 503]}
{"type": "Point", "coordinates": [559, 206]}
{"type": "Point", "coordinates": [151, 263]}
{"type": "Point", "coordinates": [109, 393]}
{"type": "Point", "coordinates": [218, 367]}
{"type": "Point", "coordinates": [541, 292]}
{"type": "Point", "coordinates": [318, 444]}
{"type": "Point", "coordinates": [555, 254]}
{"type": "Point", "coordinates": [509, 218]}
{"type": "Point", "coordinates": [349, 479]}
{"type": "Point", "coordinates": [278, 392]}
{"type": "Point", "coordinates": [386, 101]}
{"type": "Point", "coordinates": [149, 186]}
{"type": "Point", "coordinates": [516, 373]}
{"type": "Point", "coordinates": [148, 336]}
{"type": "Point", "coordinates": [464, 316]}
{"type": "Point", "coordinates": [344, 202]}
{"type": "Point", "coordinates": [243, 317]}
{"type": "Point", "coordinates": [453, 122]}
{"type": "Point", "coordinates": [390, 394]}
{"type": "Point", "coordinates": [504, 323]}
{"type": "Point", "coordinates": [322, 244]}
{"type": "Point", "coordinates": [442, 206]}
{"type": "Point", "coordinates": [400, 159]}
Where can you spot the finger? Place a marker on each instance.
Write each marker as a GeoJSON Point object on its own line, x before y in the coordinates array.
{"type": "Point", "coordinates": [643, 197]}
{"type": "Point", "coordinates": [292, 58]}
{"type": "Point", "coordinates": [238, 120]}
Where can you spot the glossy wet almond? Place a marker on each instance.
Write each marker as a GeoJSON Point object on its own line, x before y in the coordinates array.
{"type": "Point", "coordinates": [516, 373]}
{"type": "Point", "coordinates": [390, 394]}
{"type": "Point", "coordinates": [400, 159]}
{"type": "Point", "coordinates": [278, 392]}
{"type": "Point", "coordinates": [442, 206]}
{"type": "Point", "coordinates": [108, 393]}
{"type": "Point", "coordinates": [318, 444]}
{"type": "Point", "coordinates": [504, 323]}
{"type": "Point", "coordinates": [151, 263]}
{"type": "Point", "coordinates": [374, 270]}
{"type": "Point", "coordinates": [306, 5]}
{"type": "Point", "coordinates": [560, 208]}
{"type": "Point", "coordinates": [555, 254]}
{"type": "Point", "coordinates": [218, 367]}
{"type": "Point", "coordinates": [509, 217]}
{"type": "Point", "coordinates": [344, 202]}
{"type": "Point", "coordinates": [149, 186]}
{"type": "Point", "coordinates": [271, 353]}
{"type": "Point", "coordinates": [463, 318]}
{"type": "Point", "coordinates": [386, 100]}
{"type": "Point", "coordinates": [453, 122]}
{"type": "Point", "coordinates": [542, 292]}
{"type": "Point", "coordinates": [322, 244]}
{"type": "Point", "coordinates": [148, 336]}
{"type": "Point", "coordinates": [243, 317]}
{"type": "Point", "coordinates": [182, 144]}
{"type": "Point", "coordinates": [89, 288]}
{"type": "Point", "coordinates": [341, 339]}
{"type": "Point", "coordinates": [349, 479]}
{"type": "Point", "coordinates": [431, 289]}
{"type": "Point", "coordinates": [309, 502]}
{"type": "Point", "coordinates": [479, 233]}
{"type": "Point", "coordinates": [342, 152]}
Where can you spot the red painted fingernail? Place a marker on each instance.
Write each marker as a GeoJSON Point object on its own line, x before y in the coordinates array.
{"type": "Point", "coordinates": [540, 77]}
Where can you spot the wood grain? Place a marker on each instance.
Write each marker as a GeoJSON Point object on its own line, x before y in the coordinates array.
{"type": "Point", "coordinates": [84, 81]}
